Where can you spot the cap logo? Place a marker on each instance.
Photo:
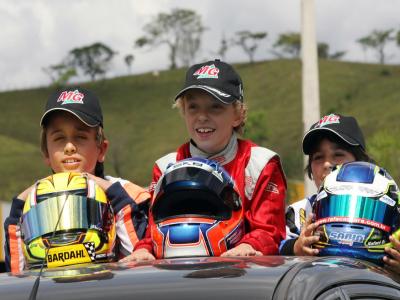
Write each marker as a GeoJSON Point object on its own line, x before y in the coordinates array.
{"type": "Point", "coordinates": [68, 97]}
{"type": "Point", "coordinates": [326, 120]}
{"type": "Point", "coordinates": [207, 72]}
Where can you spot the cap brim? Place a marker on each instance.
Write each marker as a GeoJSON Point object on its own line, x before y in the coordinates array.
{"type": "Point", "coordinates": [218, 94]}
{"type": "Point", "coordinates": [88, 121]}
{"type": "Point", "coordinates": [309, 137]}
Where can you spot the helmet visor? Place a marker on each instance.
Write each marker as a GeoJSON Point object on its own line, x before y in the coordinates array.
{"type": "Point", "coordinates": [378, 213]}
{"type": "Point", "coordinates": [70, 211]}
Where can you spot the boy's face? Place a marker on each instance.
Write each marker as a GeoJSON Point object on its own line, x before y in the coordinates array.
{"type": "Point", "coordinates": [210, 123]}
{"type": "Point", "coordinates": [327, 155]}
{"type": "Point", "coordinates": [71, 145]}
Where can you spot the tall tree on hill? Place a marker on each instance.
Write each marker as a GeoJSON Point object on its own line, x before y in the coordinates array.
{"type": "Point", "coordinates": [288, 43]}
{"type": "Point", "coordinates": [59, 74]}
{"type": "Point", "coordinates": [92, 60]}
{"type": "Point", "coordinates": [377, 41]}
{"type": "Point", "coordinates": [128, 61]}
{"type": "Point", "coordinates": [180, 30]}
{"type": "Point", "coordinates": [249, 41]}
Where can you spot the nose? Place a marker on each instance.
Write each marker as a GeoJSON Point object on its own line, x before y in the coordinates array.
{"type": "Point", "coordinates": [202, 116]}
{"type": "Point", "coordinates": [69, 148]}
{"type": "Point", "coordinates": [328, 165]}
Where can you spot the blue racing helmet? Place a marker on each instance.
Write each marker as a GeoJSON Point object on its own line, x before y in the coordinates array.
{"type": "Point", "coordinates": [357, 208]}
{"type": "Point", "coordinates": [196, 210]}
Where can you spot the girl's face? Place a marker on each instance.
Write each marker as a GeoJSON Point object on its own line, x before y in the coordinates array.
{"type": "Point", "coordinates": [327, 155]}
{"type": "Point", "coordinates": [209, 122]}
{"type": "Point", "coordinates": [72, 146]}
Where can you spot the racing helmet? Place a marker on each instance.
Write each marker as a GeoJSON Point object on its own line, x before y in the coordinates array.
{"type": "Point", "coordinates": [196, 210]}
{"type": "Point", "coordinates": [67, 220]}
{"type": "Point", "coordinates": [356, 209]}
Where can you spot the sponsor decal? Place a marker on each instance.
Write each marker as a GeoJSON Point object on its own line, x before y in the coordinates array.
{"type": "Point", "coordinates": [70, 255]}
{"type": "Point", "coordinates": [68, 97]}
{"type": "Point", "coordinates": [272, 187]}
{"type": "Point", "coordinates": [376, 243]}
{"type": "Point", "coordinates": [354, 220]}
{"type": "Point", "coordinates": [207, 72]}
{"type": "Point", "coordinates": [386, 199]}
{"type": "Point", "coordinates": [347, 238]}
{"type": "Point", "coordinates": [326, 120]}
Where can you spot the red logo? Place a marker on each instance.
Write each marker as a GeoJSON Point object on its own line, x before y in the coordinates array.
{"type": "Point", "coordinates": [67, 97]}
{"type": "Point", "coordinates": [207, 72]}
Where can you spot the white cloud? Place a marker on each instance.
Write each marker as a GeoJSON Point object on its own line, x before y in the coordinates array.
{"type": "Point", "coordinates": [38, 33]}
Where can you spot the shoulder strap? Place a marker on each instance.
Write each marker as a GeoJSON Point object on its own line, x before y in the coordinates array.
{"type": "Point", "coordinates": [259, 157]}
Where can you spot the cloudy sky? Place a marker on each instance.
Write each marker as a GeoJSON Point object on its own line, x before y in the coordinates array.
{"type": "Point", "coordinates": [38, 33]}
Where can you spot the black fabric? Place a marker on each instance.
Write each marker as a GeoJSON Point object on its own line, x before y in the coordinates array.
{"type": "Point", "coordinates": [344, 127]}
{"type": "Point", "coordinates": [288, 247]}
{"type": "Point", "coordinates": [217, 78]}
{"type": "Point", "coordinates": [80, 102]}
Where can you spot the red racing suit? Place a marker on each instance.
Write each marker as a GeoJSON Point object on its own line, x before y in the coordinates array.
{"type": "Point", "coordinates": [261, 182]}
{"type": "Point", "coordinates": [130, 221]}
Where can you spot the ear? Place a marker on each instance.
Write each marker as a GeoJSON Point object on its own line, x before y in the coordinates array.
{"type": "Point", "coordinates": [46, 159]}
{"type": "Point", "coordinates": [103, 151]}
{"type": "Point", "coordinates": [239, 116]}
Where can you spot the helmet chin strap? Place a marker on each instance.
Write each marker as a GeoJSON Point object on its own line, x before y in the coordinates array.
{"type": "Point", "coordinates": [35, 287]}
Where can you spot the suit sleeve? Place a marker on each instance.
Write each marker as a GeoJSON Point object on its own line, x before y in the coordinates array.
{"type": "Point", "coordinates": [14, 258]}
{"type": "Point", "coordinates": [130, 217]}
{"type": "Point", "coordinates": [265, 214]}
{"type": "Point", "coordinates": [146, 242]}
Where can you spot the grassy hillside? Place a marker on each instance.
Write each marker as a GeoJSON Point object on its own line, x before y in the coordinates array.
{"type": "Point", "coordinates": [142, 126]}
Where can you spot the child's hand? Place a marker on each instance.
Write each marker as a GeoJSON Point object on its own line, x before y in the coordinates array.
{"type": "Point", "coordinates": [139, 255]}
{"type": "Point", "coordinates": [104, 184]}
{"type": "Point", "coordinates": [242, 250]}
{"type": "Point", "coordinates": [392, 260]}
{"type": "Point", "coordinates": [303, 244]}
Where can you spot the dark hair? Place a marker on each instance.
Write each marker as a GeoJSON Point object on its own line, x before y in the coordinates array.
{"type": "Point", "coordinates": [359, 153]}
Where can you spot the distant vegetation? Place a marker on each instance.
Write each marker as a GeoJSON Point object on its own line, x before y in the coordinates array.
{"type": "Point", "coordinates": [142, 126]}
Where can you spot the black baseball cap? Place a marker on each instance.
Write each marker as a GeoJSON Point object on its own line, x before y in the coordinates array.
{"type": "Point", "coordinates": [217, 78]}
{"type": "Point", "coordinates": [78, 101]}
{"type": "Point", "coordinates": [344, 127]}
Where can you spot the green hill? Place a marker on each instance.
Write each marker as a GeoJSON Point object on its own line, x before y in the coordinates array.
{"type": "Point", "coordinates": [142, 126]}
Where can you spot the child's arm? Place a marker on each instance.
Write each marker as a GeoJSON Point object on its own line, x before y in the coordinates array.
{"type": "Point", "coordinates": [13, 253]}
{"type": "Point", "coordinates": [392, 260]}
{"type": "Point", "coordinates": [130, 217]}
{"type": "Point", "coordinates": [266, 213]}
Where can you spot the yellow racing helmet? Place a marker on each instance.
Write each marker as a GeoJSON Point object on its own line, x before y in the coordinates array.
{"type": "Point", "coordinates": [67, 220]}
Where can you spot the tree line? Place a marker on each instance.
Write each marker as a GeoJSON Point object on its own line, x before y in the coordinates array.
{"type": "Point", "coordinates": [181, 32]}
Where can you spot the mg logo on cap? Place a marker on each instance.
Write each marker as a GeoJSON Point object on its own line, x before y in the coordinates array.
{"type": "Point", "coordinates": [67, 97]}
{"type": "Point", "coordinates": [207, 72]}
{"type": "Point", "coordinates": [326, 120]}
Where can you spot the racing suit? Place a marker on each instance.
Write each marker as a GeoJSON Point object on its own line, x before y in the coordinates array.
{"type": "Point", "coordinates": [296, 215]}
{"type": "Point", "coordinates": [130, 221]}
{"type": "Point", "coordinates": [261, 182]}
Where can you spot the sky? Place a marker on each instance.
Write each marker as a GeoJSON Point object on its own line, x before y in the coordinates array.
{"type": "Point", "coordinates": [39, 33]}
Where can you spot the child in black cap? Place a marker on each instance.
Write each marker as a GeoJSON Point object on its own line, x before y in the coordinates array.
{"type": "Point", "coordinates": [211, 103]}
{"type": "Point", "coordinates": [73, 140]}
{"type": "Point", "coordinates": [335, 139]}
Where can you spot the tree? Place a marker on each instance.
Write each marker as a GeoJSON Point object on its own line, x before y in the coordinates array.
{"type": "Point", "coordinates": [129, 60]}
{"type": "Point", "coordinates": [92, 60]}
{"type": "Point", "coordinates": [289, 43]}
{"type": "Point", "coordinates": [60, 74]}
{"type": "Point", "coordinates": [249, 41]}
{"type": "Point", "coordinates": [223, 48]}
{"type": "Point", "coordinates": [323, 52]}
{"type": "Point", "coordinates": [180, 30]}
{"type": "Point", "coordinates": [377, 41]}
{"type": "Point", "coordinates": [256, 127]}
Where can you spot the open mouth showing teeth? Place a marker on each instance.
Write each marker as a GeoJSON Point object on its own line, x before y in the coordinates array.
{"type": "Point", "coordinates": [205, 130]}
{"type": "Point", "coordinates": [70, 161]}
